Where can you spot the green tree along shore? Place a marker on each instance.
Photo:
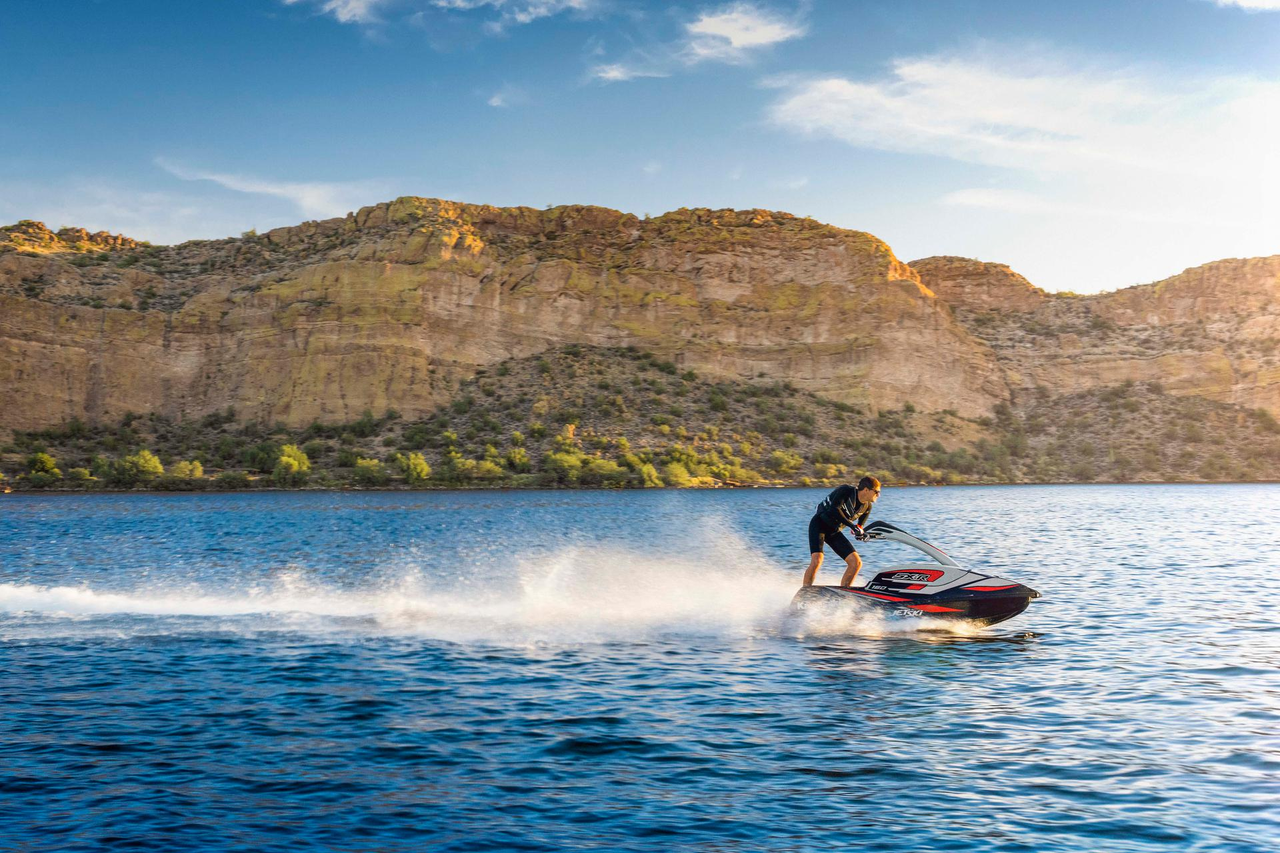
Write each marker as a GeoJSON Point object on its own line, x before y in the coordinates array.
{"type": "Point", "coordinates": [621, 418]}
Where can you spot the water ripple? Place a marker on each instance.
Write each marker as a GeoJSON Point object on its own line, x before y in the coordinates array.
{"type": "Point", "coordinates": [618, 672]}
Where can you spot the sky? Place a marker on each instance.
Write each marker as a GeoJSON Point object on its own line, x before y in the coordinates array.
{"type": "Point", "coordinates": [1090, 145]}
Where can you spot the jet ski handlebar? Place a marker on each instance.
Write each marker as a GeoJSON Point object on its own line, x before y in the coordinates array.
{"type": "Point", "coordinates": [885, 530]}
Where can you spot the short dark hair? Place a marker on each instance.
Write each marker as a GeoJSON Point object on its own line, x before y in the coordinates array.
{"type": "Point", "coordinates": [869, 482]}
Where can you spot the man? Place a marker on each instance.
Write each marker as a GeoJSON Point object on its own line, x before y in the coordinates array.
{"type": "Point", "coordinates": [847, 506]}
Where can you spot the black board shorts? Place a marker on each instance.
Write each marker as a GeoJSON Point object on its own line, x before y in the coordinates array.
{"type": "Point", "coordinates": [819, 532]}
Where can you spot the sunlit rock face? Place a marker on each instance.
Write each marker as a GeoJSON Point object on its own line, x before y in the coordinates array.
{"type": "Point", "coordinates": [977, 285]}
{"type": "Point", "coordinates": [391, 306]}
{"type": "Point", "coordinates": [1211, 331]}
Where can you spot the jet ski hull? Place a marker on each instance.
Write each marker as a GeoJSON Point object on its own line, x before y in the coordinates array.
{"type": "Point", "coordinates": [983, 607]}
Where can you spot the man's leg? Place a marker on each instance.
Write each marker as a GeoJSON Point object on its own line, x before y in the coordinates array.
{"type": "Point", "coordinates": [815, 563]}
{"type": "Point", "coordinates": [852, 563]}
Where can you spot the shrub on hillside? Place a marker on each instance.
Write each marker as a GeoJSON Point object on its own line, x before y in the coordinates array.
{"type": "Point", "coordinates": [186, 470]}
{"type": "Point", "coordinates": [261, 458]}
{"type": "Point", "coordinates": [649, 476]}
{"type": "Point", "coordinates": [518, 460]}
{"type": "Point", "coordinates": [233, 480]}
{"type": "Point", "coordinates": [140, 467]}
{"type": "Point", "coordinates": [782, 462]}
{"type": "Point", "coordinates": [42, 480]}
{"type": "Point", "coordinates": [676, 474]}
{"type": "Point", "coordinates": [43, 463]}
{"type": "Point", "coordinates": [488, 471]}
{"type": "Point", "coordinates": [562, 468]}
{"type": "Point", "coordinates": [370, 472]}
{"type": "Point", "coordinates": [603, 472]}
{"type": "Point", "coordinates": [287, 473]}
{"type": "Point", "coordinates": [414, 468]}
{"type": "Point", "coordinates": [292, 467]}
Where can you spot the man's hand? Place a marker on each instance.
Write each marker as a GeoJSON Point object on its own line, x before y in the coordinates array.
{"type": "Point", "coordinates": [858, 533]}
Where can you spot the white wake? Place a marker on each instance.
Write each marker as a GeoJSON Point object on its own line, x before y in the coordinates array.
{"type": "Point", "coordinates": [574, 594]}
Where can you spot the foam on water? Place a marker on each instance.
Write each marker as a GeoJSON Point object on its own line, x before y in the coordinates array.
{"type": "Point", "coordinates": [574, 594]}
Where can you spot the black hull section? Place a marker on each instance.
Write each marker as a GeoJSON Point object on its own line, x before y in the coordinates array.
{"type": "Point", "coordinates": [958, 605]}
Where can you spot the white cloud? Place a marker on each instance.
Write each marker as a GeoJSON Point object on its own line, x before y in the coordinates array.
{"type": "Point", "coordinates": [312, 199]}
{"type": "Point", "coordinates": [346, 11]}
{"type": "Point", "coordinates": [729, 33]}
{"type": "Point", "coordinates": [1137, 136]}
{"type": "Point", "coordinates": [1154, 169]}
{"type": "Point", "coordinates": [517, 11]}
{"type": "Point", "coordinates": [618, 72]}
{"type": "Point", "coordinates": [509, 11]}
{"type": "Point", "coordinates": [1252, 5]}
{"type": "Point", "coordinates": [653, 167]}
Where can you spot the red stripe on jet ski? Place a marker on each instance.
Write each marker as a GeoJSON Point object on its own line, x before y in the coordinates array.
{"type": "Point", "coordinates": [935, 608]}
{"type": "Point", "coordinates": [989, 588]}
{"type": "Point", "coordinates": [878, 595]}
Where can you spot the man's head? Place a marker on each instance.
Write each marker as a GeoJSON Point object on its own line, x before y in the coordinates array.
{"type": "Point", "coordinates": [868, 489]}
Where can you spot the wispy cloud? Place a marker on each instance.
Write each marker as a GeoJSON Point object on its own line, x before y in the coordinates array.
{"type": "Point", "coordinates": [312, 199]}
{"type": "Point", "coordinates": [1116, 138]}
{"type": "Point", "coordinates": [728, 34]}
{"type": "Point", "coordinates": [651, 168]}
{"type": "Point", "coordinates": [619, 72]}
{"type": "Point", "coordinates": [517, 12]}
{"type": "Point", "coordinates": [1042, 115]}
{"type": "Point", "coordinates": [346, 11]}
{"type": "Point", "coordinates": [1252, 5]}
{"type": "Point", "coordinates": [505, 12]}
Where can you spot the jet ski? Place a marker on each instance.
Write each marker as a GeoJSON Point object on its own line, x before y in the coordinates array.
{"type": "Point", "coordinates": [939, 590]}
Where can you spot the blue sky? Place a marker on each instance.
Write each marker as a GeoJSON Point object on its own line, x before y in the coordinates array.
{"type": "Point", "coordinates": [1088, 144]}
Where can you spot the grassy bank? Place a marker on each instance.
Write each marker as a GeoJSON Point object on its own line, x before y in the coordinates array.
{"type": "Point", "coordinates": [620, 418]}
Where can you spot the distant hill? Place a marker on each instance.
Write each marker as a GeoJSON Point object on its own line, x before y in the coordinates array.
{"type": "Point", "coordinates": [406, 305]}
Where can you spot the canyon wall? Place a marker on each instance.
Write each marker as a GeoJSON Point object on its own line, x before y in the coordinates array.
{"type": "Point", "coordinates": [392, 306]}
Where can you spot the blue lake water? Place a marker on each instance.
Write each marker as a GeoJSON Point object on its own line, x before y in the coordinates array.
{"type": "Point", "coordinates": [617, 671]}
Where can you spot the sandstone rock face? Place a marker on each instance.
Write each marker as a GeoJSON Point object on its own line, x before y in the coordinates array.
{"type": "Point", "coordinates": [1227, 289]}
{"type": "Point", "coordinates": [1212, 331]}
{"type": "Point", "coordinates": [976, 285]}
{"type": "Point", "coordinates": [392, 305]}
{"type": "Point", "coordinates": [29, 236]}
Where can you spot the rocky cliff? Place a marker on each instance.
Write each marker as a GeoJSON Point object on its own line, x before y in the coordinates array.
{"type": "Point", "coordinates": [1212, 331]}
{"type": "Point", "coordinates": [395, 305]}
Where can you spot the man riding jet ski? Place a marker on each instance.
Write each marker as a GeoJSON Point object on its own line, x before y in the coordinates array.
{"type": "Point", "coordinates": [940, 589]}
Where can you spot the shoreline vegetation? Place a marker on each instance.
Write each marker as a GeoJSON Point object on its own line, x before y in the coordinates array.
{"type": "Point", "coordinates": [596, 417]}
